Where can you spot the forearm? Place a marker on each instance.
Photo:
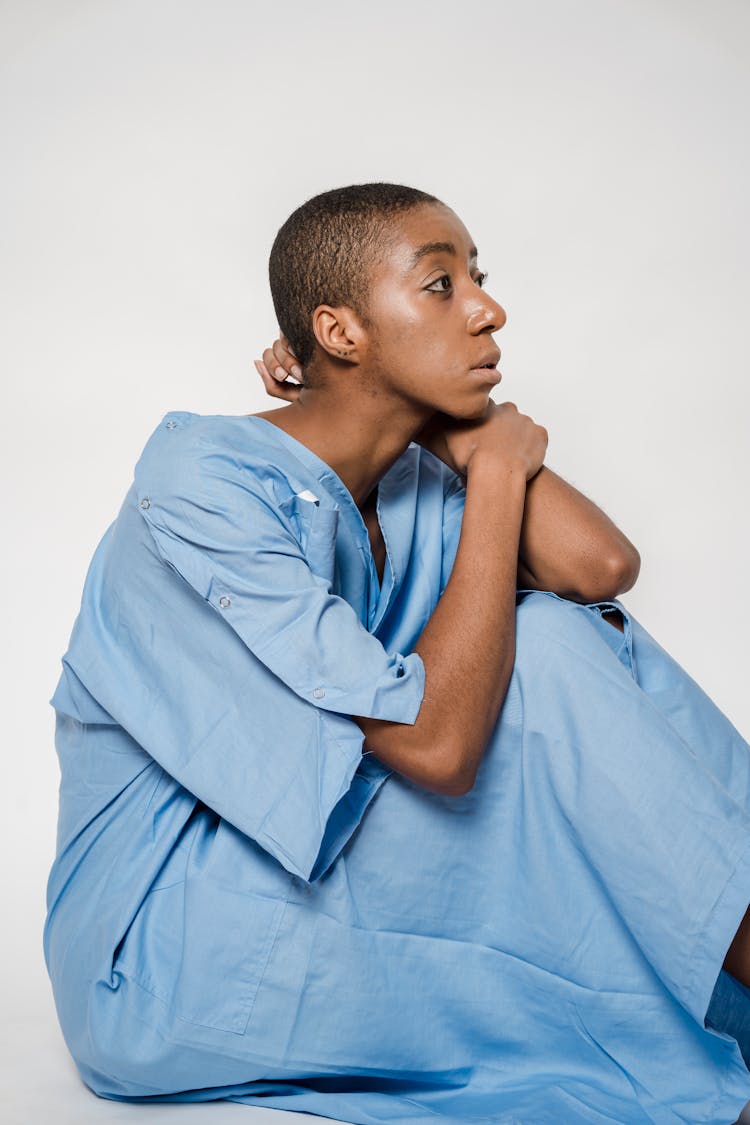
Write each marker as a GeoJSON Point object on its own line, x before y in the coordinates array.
{"type": "Point", "coordinates": [468, 644]}
{"type": "Point", "coordinates": [569, 545]}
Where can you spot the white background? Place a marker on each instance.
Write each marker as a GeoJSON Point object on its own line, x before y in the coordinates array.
{"type": "Point", "coordinates": [597, 150]}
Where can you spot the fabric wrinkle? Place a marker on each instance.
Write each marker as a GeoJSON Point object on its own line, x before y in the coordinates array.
{"type": "Point", "coordinates": [247, 904]}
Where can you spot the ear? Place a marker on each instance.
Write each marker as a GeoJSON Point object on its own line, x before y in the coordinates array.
{"type": "Point", "coordinates": [338, 332]}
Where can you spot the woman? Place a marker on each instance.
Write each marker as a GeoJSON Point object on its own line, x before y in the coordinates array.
{"type": "Point", "coordinates": [350, 824]}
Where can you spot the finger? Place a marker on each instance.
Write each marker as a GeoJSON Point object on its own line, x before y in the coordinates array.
{"type": "Point", "coordinates": [272, 365]}
{"type": "Point", "coordinates": [285, 359]}
{"type": "Point", "coordinates": [287, 390]}
{"type": "Point", "coordinates": [286, 344]}
{"type": "Point", "coordinates": [268, 381]}
{"type": "Point", "coordinates": [276, 369]}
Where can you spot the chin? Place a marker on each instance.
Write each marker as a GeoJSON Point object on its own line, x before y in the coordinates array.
{"type": "Point", "coordinates": [468, 411]}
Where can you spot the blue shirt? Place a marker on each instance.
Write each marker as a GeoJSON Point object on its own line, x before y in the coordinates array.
{"type": "Point", "coordinates": [247, 904]}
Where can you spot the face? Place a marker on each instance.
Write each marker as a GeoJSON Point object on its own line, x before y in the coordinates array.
{"type": "Point", "coordinates": [431, 321]}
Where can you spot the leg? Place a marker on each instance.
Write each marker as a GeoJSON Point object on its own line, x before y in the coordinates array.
{"type": "Point", "coordinates": [672, 763]}
{"type": "Point", "coordinates": [737, 961]}
{"type": "Point", "coordinates": [693, 714]}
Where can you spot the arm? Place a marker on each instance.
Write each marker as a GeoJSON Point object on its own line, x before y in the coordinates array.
{"type": "Point", "coordinates": [468, 644]}
{"type": "Point", "coordinates": [567, 544]}
{"type": "Point", "coordinates": [570, 546]}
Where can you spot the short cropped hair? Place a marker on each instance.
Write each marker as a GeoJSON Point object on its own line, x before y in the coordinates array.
{"type": "Point", "coordinates": [325, 251]}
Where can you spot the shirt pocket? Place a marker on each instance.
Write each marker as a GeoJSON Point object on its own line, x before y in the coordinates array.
{"type": "Point", "coordinates": [202, 948]}
{"type": "Point", "coordinates": [225, 952]}
{"type": "Point", "coordinates": [315, 526]}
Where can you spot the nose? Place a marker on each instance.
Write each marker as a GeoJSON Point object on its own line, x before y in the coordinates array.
{"type": "Point", "coordinates": [487, 316]}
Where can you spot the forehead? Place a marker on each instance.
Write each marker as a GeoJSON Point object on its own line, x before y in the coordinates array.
{"type": "Point", "coordinates": [418, 235]}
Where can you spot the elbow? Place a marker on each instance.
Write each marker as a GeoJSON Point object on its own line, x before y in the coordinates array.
{"type": "Point", "coordinates": [454, 787]}
{"type": "Point", "coordinates": [462, 787]}
{"type": "Point", "coordinates": [624, 570]}
{"type": "Point", "coordinates": [616, 577]}
{"type": "Point", "coordinates": [454, 780]}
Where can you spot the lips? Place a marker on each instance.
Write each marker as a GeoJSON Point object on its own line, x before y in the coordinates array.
{"type": "Point", "coordinates": [488, 360]}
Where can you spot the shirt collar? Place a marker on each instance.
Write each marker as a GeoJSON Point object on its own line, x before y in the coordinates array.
{"type": "Point", "coordinates": [396, 508]}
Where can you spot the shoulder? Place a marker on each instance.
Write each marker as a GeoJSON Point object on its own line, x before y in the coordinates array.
{"type": "Point", "coordinates": [182, 439]}
{"type": "Point", "coordinates": [196, 455]}
{"type": "Point", "coordinates": [203, 484]}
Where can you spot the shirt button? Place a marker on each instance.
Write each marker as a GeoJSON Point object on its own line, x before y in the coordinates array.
{"type": "Point", "coordinates": [318, 692]}
{"type": "Point", "coordinates": [145, 502]}
{"type": "Point", "coordinates": [225, 602]}
{"type": "Point", "coordinates": [171, 425]}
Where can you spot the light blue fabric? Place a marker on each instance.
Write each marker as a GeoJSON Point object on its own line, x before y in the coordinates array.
{"type": "Point", "coordinates": [247, 904]}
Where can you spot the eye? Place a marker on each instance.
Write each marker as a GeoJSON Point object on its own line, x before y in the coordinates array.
{"type": "Point", "coordinates": [437, 281]}
{"type": "Point", "coordinates": [480, 279]}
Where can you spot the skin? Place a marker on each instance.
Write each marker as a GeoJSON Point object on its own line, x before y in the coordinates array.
{"type": "Point", "coordinates": [408, 379]}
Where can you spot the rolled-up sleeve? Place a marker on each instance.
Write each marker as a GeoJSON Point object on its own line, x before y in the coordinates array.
{"type": "Point", "coordinates": [206, 636]}
{"type": "Point", "coordinates": [212, 522]}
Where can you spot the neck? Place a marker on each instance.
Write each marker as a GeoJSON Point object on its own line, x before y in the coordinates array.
{"type": "Point", "coordinates": [359, 437]}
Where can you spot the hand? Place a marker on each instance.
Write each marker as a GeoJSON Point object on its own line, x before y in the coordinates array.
{"type": "Point", "coordinates": [279, 361]}
{"type": "Point", "coordinates": [501, 433]}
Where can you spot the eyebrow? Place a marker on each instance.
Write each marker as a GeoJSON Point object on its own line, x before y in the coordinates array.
{"type": "Point", "coordinates": [436, 248]}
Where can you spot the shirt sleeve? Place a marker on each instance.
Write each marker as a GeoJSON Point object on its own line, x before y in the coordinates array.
{"type": "Point", "coordinates": [212, 521]}
{"type": "Point", "coordinates": [205, 634]}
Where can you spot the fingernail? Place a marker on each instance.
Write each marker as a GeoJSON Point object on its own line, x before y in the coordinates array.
{"type": "Point", "coordinates": [280, 374]}
{"type": "Point", "coordinates": [296, 371]}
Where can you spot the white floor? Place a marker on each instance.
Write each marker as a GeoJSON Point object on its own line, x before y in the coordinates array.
{"type": "Point", "coordinates": [39, 1083]}
{"type": "Point", "coordinates": [38, 1080]}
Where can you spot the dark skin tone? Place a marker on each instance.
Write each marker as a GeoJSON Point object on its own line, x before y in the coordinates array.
{"type": "Point", "coordinates": [409, 380]}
